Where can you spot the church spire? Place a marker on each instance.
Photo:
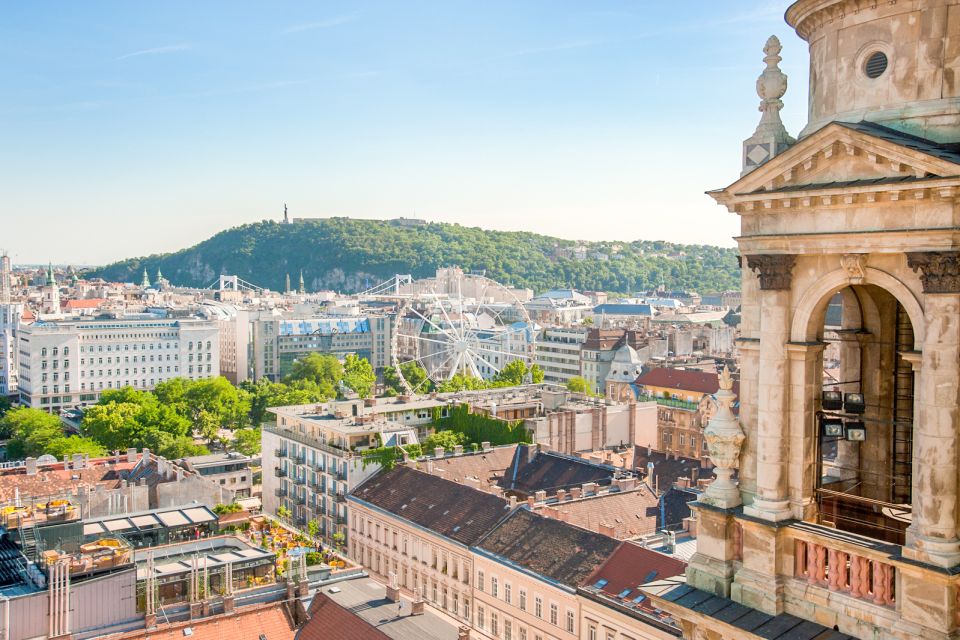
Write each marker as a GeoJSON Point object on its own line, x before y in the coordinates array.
{"type": "Point", "coordinates": [771, 137]}
{"type": "Point", "coordinates": [302, 289]}
{"type": "Point", "coordinates": [287, 288]}
{"type": "Point", "coordinates": [51, 281]}
{"type": "Point", "coordinates": [159, 275]}
{"type": "Point", "coordinates": [145, 283]}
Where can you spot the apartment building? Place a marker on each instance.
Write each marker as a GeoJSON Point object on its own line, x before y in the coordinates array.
{"type": "Point", "coordinates": [230, 470]}
{"type": "Point", "coordinates": [68, 363]}
{"type": "Point", "coordinates": [492, 564]}
{"type": "Point", "coordinates": [313, 457]}
{"type": "Point", "coordinates": [558, 353]}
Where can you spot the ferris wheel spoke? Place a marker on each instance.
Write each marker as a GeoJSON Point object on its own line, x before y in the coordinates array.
{"type": "Point", "coordinates": [453, 328]}
{"type": "Point", "coordinates": [429, 321]}
{"type": "Point", "coordinates": [470, 359]}
{"type": "Point", "coordinates": [434, 340]}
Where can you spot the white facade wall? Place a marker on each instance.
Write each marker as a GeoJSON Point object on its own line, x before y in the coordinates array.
{"type": "Point", "coordinates": [63, 364]}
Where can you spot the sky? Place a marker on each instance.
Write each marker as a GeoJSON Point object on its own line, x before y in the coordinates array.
{"type": "Point", "coordinates": [133, 128]}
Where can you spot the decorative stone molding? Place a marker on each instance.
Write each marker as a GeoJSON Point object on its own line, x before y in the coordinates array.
{"type": "Point", "coordinates": [724, 439]}
{"type": "Point", "coordinates": [855, 266]}
{"type": "Point", "coordinates": [775, 270]}
{"type": "Point", "coordinates": [771, 137]}
{"type": "Point", "coordinates": [939, 270]}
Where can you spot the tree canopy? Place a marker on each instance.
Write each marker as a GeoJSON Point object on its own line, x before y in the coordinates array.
{"type": "Point", "coordinates": [348, 255]}
{"type": "Point", "coordinates": [359, 375]}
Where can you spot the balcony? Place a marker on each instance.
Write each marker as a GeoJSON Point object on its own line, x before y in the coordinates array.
{"type": "Point", "coordinates": [279, 472]}
{"type": "Point", "coordinates": [300, 458]}
{"type": "Point", "coordinates": [280, 493]}
{"type": "Point", "coordinates": [340, 497]}
{"type": "Point", "coordinates": [300, 500]}
{"type": "Point", "coordinates": [279, 453]}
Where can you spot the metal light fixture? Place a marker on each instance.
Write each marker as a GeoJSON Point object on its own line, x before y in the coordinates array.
{"type": "Point", "coordinates": [832, 400]}
{"type": "Point", "coordinates": [854, 403]}
{"type": "Point", "coordinates": [856, 430]}
{"type": "Point", "coordinates": [831, 427]}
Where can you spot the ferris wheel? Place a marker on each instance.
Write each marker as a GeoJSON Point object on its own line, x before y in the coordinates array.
{"type": "Point", "coordinates": [460, 324]}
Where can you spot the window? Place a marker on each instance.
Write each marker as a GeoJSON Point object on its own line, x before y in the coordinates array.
{"type": "Point", "coordinates": [523, 599]}
{"type": "Point", "coordinates": [538, 607]}
{"type": "Point", "coordinates": [480, 621]}
{"type": "Point", "coordinates": [592, 633]}
{"type": "Point", "coordinates": [507, 630]}
{"type": "Point", "coordinates": [570, 621]}
{"type": "Point", "coordinates": [480, 581]}
{"type": "Point", "coordinates": [506, 592]}
{"type": "Point", "coordinates": [493, 587]}
{"type": "Point", "coordinates": [554, 614]}
{"type": "Point", "coordinates": [522, 632]}
{"type": "Point", "coordinates": [494, 624]}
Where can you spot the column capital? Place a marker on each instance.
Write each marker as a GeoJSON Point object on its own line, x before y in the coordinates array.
{"type": "Point", "coordinates": [939, 270]}
{"type": "Point", "coordinates": [774, 270]}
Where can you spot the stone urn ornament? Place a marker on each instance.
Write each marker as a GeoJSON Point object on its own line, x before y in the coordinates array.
{"type": "Point", "coordinates": [724, 439]}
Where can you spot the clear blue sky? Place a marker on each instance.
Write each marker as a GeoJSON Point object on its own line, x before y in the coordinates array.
{"type": "Point", "coordinates": [129, 128]}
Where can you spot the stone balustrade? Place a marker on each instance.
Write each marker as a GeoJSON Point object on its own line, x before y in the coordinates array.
{"type": "Point", "coordinates": [860, 576]}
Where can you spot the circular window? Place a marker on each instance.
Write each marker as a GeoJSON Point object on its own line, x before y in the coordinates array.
{"type": "Point", "coordinates": [876, 64]}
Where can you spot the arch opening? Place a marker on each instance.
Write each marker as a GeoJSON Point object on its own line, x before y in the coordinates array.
{"type": "Point", "coordinates": [865, 413]}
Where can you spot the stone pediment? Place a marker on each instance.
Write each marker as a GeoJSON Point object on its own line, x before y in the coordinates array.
{"type": "Point", "coordinates": [847, 158]}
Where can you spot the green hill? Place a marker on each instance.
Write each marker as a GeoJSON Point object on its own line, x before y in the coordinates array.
{"type": "Point", "coordinates": [351, 255]}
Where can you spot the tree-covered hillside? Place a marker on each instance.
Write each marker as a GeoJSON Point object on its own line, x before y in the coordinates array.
{"type": "Point", "coordinates": [350, 255]}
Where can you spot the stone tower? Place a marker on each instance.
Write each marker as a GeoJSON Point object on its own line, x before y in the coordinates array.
{"type": "Point", "coordinates": [850, 351]}
{"type": "Point", "coordinates": [51, 294]}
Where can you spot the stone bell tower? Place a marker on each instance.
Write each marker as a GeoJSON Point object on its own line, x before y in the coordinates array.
{"type": "Point", "coordinates": [848, 470]}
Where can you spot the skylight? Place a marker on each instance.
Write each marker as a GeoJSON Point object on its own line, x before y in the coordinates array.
{"type": "Point", "coordinates": [600, 584]}
{"type": "Point", "coordinates": [650, 576]}
{"type": "Point", "coordinates": [624, 593]}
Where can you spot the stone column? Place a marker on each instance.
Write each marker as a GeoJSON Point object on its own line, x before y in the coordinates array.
{"type": "Point", "coordinates": [806, 365]}
{"type": "Point", "coordinates": [932, 537]}
{"type": "Point", "coordinates": [771, 502]}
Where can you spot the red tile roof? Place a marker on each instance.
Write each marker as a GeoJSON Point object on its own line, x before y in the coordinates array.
{"type": "Point", "coordinates": [51, 480]}
{"type": "Point", "coordinates": [329, 621]}
{"type": "Point", "coordinates": [682, 379]}
{"type": "Point", "coordinates": [629, 567]}
{"type": "Point", "coordinates": [86, 303]}
{"type": "Point", "coordinates": [249, 623]}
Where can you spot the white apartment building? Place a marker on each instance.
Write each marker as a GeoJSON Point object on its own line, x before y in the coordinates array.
{"type": "Point", "coordinates": [558, 353]}
{"type": "Point", "coordinates": [313, 457]}
{"type": "Point", "coordinates": [10, 315]}
{"type": "Point", "coordinates": [68, 363]}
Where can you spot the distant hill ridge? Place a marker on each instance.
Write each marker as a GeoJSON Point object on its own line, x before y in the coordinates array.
{"type": "Point", "coordinates": [350, 255]}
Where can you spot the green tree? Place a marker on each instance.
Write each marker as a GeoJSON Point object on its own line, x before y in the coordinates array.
{"type": "Point", "coordinates": [30, 431]}
{"type": "Point", "coordinates": [283, 513]}
{"type": "Point", "coordinates": [359, 375]}
{"type": "Point", "coordinates": [265, 394]}
{"type": "Point", "coordinates": [69, 445]}
{"type": "Point", "coordinates": [577, 384]}
{"type": "Point", "coordinates": [313, 529]}
{"type": "Point", "coordinates": [462, 382]}
{"type": "Point", "coordinates": [214, 403]}
{"type": "Point", "coordinates": [5, 405]}
{"type": "Point", "coordinates": [446, 439]}
{"type": "Point", "coordinates": [415, 375]}
{"type": "Point", "coordinates": [140, 421]}
{"type": "Point", "coordinates": [221, 508]}
{"type": "Point", "coordinates": [536, 373]}
{"type": "Point", "coordinates": [246, 441]}
{"type": "Point", "coordinates": [320, 368]}
{"type": "Point", "coordinates": [338, 539]}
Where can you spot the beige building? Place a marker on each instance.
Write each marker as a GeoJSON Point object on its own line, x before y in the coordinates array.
{"type": "Point", "coordinates": [850, 516]}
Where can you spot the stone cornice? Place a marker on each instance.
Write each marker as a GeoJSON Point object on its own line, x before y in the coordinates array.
{"type": "Point", "coordinates": [939, 270]}
{"type": "Point", "coordinates": [843, 196]}
{"type": "Point", "coordinates": [807, 16]}
{"type": "Point", "coordinates": [774, 270]}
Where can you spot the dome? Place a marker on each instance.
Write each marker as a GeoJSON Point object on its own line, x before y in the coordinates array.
{"type": "Point", "coordinates": [884, 62]}
{"type": "Point", "coordinates": [625, 366]}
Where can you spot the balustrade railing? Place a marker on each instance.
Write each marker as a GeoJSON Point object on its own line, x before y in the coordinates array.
{"type": "Point", "coordinates": [862, 577]}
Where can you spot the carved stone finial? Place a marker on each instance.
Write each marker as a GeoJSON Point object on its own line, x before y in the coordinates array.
{"type": "Point", "coordinates": [855, 265]}
{"type": "Point", "coordinates": [771, 137]}
{"type": "Point", "coordinates": [775, 270]}
{"type": "Point", "coordinates": [724, 439]}
{"type": "Point", "coordinates": [939, 270]}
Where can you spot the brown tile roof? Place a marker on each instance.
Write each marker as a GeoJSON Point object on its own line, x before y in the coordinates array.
{"type": "Point", "coordinates": [551, 548]}
{"type": "Point", "coordinates": [488, 466]}
{"type": "Point", "coordinates": [84, 303]}
{"type": "Point", "coordinates": [628, 513]}
{"type": "Point", "coordinates": [54, 480]}
{"type": "Point", "coordinates": [329, 621]}
{"type": "Point", "coordinates": [681, 379]}
{"type": "Point", "coordinates": [536, 470]}
{"type": "Point", "coordinates": [248, 623]}
{"type": "Point", "coordinates": [449, 509]}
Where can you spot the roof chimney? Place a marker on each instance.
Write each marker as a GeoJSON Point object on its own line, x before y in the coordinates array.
{"type": "Point", "coordinates": [146, 455]}
{"type": "Point", "coordinates": [540, 496]}
{"type": "Point", "coordinates": [458, 449]}
{"type": "Point", "coordinates": [131, 455]}
{"type": "Point", "coordinates": [77, 461]}
{"type": "Point", "coordinates": [31, 464]}
{"type": "Point", "coordinates": [438, 452]}
{"type": "Point", "coordinates": [561, 495]}
{"type": "Point", "coordinates": [485, 446]}
{"type": "Point", "coordinates": [576, 493]}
